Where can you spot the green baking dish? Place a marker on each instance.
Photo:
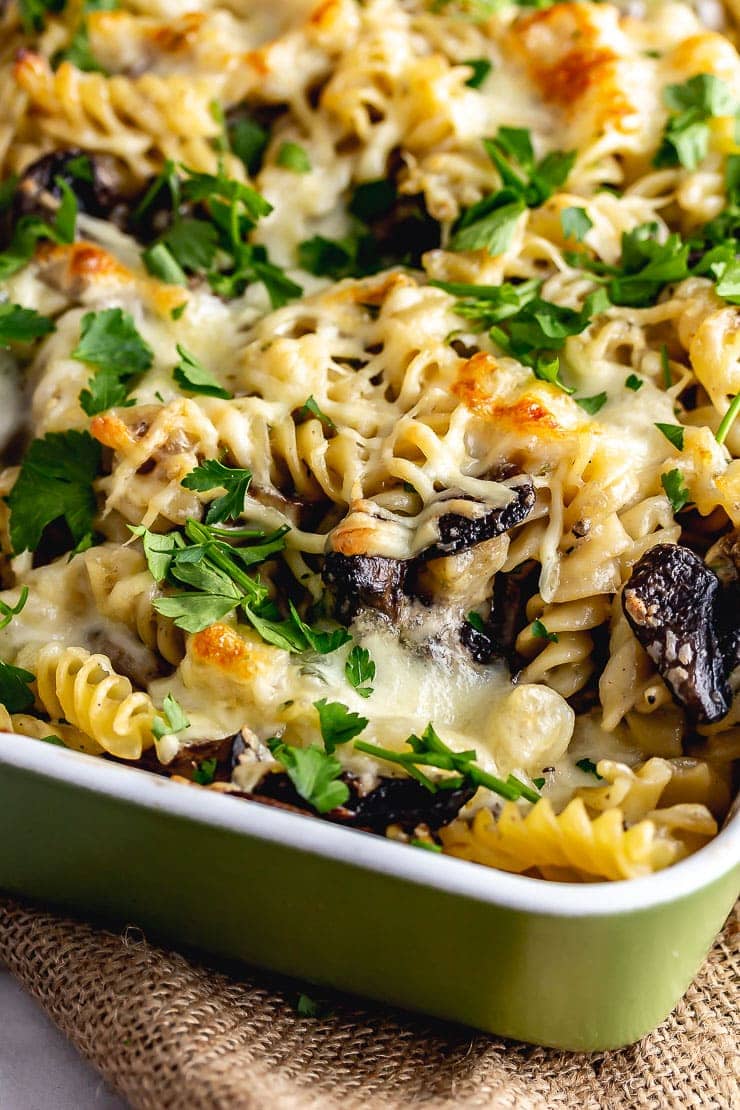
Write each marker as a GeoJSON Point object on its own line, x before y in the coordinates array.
{"type": "Point", "coordinates": [581, 967]}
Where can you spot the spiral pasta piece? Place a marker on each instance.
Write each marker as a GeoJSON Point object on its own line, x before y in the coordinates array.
{"type": "Point", "coordinates": [81, 688]}
{"type": "Point", "coordinates": [569, 844]}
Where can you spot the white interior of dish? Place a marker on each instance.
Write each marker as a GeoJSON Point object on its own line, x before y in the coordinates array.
{"type": "Point", "coordinates": [373, 853]}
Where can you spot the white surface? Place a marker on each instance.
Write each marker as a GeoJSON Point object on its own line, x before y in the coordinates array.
{"type": "Point", "coordinates": [39, 1069]}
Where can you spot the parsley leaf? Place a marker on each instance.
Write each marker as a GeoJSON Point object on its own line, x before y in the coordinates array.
{"type": "Point", "coordinates": [728, 419]}
{"type": "Point", "coordinates": [311, 407]}
{"type": "Point", "coordinates": [575, 222]}
{"type": "Point", "coordinates": [541, 633]}
{"type": "Point", "coordinates": [481, 67]}
{"type": "Point", "coordinates": [158, 549]}
{"type": "Point", "coordinates": [338, 724]}
{"type": "Point", "coordinates": [55, 482]}
{"type": "Point", "coordinates": [248, 142]}
{"type": "Point", "coordinates": [475, 620]}
{"type": "Point", "coordinates": [314, 773]}
{"type": "Point", "coordinates": [359, 670]}
{"type": "Point", "coordinates": [29, 229]}
{"type": "Point", "coordinates": [675, 489]}
{"type": "Point", "coordinates": [21, 325]}
{"type": "Point", "coordinates": [212, 474]}
{"type": "Point", "coordinates": [488, 225]}
{"type": "Point", "coordinates": [292, 156]}
{"type": "Point", "coordinates": [428, 750]}
{"type": "Point", "coordinates": [172, 719]}
{"type": "Point", "coordinates": [7, 612]}
{"type": "Point", "coordinates": [109, 341]}
{"type": "Point", "coordinates": [205, 772]}
{"type": "Point", "coordinates": [191, 375]}
{"type": "Point", "coordinates": [633, 382]}
{"type": "Point", "coordinates": [686, 137]}
{"type": "Point", "coordinates": [673, 433]}
{"type": "Point", "coordinates": [14, 692]}
{"type": "Point", "coordinates": [592, 405]}
{"type": "Point", "coordinates": [79, 52]}
{"type": "Point", "coordinates": [373, 199]}
{"type": "Point", "coordinates": [33, 13]}
{"type": "Point", "coordinates": [588, 766]}
{"type": "Point", "coordinates": [645, 267]}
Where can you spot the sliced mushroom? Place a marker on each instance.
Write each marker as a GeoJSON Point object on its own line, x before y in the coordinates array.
{"type": "Point", "coordinates": [376, 557]}
{"type": "Point", "coordinates": [94, 179]}
{"type": "Point", "coordinates": [394, 801]}
{"type": "Point", "coordinates": [672, 602]}
{"type": "Point", "coordinates": [470, 522]}
{"type": "Point", "coordinates": [364, 582]}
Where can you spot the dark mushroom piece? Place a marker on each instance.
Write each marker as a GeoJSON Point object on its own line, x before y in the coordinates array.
{"type": "Point", "coordinates": [93, 179]}
{"type": "Point", "coordinates": [458, 532]}
{"type": "Point", "coordinates": [394, 801]}
{"type": "Point", "coordinates": [364, 582]}
{"type": "Point", "coordinates": [673, 602]}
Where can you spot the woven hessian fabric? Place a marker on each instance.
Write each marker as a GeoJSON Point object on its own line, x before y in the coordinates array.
{"type": "Point", "coordinates": [169, 1033]}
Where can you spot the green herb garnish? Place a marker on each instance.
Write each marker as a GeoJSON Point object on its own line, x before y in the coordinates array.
{"type": "Point", "coordinates": [314, 773]}
{"type": "Point", "coordinates": [481, 68]}
{"type": "Point", "coordinates": [575, 222]}
{"type": "Point", "coordinates": [192, 376]}
{"type": "Point", "coordinates": [675, 489]}
{"type": "Point", "coordinates": [172, 719]}
{"type": "Point", "coordinates": [15, 694]}
{"type": "Point", "coordinates": [22, 325]}
{"type": "Point", "coordinates": [109, 341]}
{"type": "Point", "coordinates": [673, 433]}
{"type": "Point", "coordinates": [541, 633]}
{"type": "Point", "coordinates": [292, 156]}
{"type": "Point", "coordinates": [588, 766]}
{"type": "Point", "coordinates": [55, 482]}
{"type": "Point", "coordinates": [338, 724]}
{"type": "Point", "coordinates": [359, 670]}
{"type": "Point", "coordinates": [212, 474]}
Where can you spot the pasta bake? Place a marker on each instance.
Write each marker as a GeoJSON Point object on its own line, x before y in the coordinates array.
{"type": "Point", "coordinates": [371, 374]}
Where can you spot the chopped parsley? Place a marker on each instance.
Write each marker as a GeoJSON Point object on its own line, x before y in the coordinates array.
{"type": "Point", "coordinates": [646, 266]}
{"type": "Point", "coordinates": [428, 750]}
{"type": "Point", "coordinates": [314, 773]}
{"type": "Point", "coordinates": [675, 489]}
{"type": "Point", "coordinates": [359, 670]}
{"type": "Point", "coordinates": [110, 342]}
{"type": "Point", "coordinates": [475, 620]}
{"type": "Point", "coordinates": [15, 694]}
{"type": "Point", "coordinates": [205, 772]}
{"type": "Point", "coordinates": [22, 325]}
{"type": "Point", "coordinates": [728, 419]}
{"type": "Point", "coordinates": [248, 141]}
{"type": "Point", "coordinates": [685, 139]}
{"type": "Point", "coordinates": [634, 383]}
{"type": "Point", "coordinates": [33, 13]}
{"type": "Point", "coordinates": [481, 68]}
{"type": "Point", "coordinates": [338, 724]}
{"type": "Point", "coordinates": [192, 376]}
{"type": "Point", "coordinates": [55, 482]}
{"type": "Point", "coordinates": [79, 52]}
{"type": "Point", "coordinates": [588, 766]}
{"type": "Point", "coordinates": [7, 612]}
{"type": "Point", "coordinates": [173, 719]}
{"type": "Point", "coordinates": [541, 633]}
{"type": "Point", "coordinates": [539, 783]}
{"type": "Point", "coordinates": [292, 156]}
{"type": "Point", "coordinates": [429, 845]}
{"type": "Point", "coordinates": [212, 474]}
{"type": "Point", "coordinates": [575, 222]}
{"type": "Point", "coordinates": [311, 408]}
{"type": "Point", "coordinates": [673, 433]}
{"type": "Point", "coordinates": [489, 224]}
{"type": "Point", "coordinates": [30, 229]}
{"type": "Point", "coordinates": [592, 405]}
{"type": "Point", "coordinates": [307, 1007]}
{"type": "Point", "coordinates": [373, 199]}
{"type": "Point", "coordinates": [214, 240]}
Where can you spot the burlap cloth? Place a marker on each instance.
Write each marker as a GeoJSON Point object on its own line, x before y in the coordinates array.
{"type": "Point", "coordinates": [169, 1032]}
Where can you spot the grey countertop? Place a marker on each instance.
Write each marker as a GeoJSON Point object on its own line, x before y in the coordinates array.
{"type": "Point", "coordinates": [39, 1069]}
